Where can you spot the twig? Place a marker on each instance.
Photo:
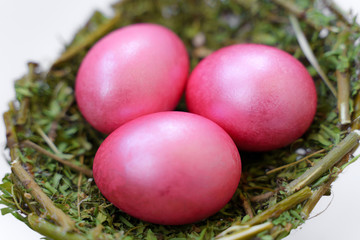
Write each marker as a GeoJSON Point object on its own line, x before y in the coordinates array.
{"type": "Point", "coordinates": [79, 168]}
{"type": "Point", "coordinates": [347, 163]}
{"type": "Point", "coordinates": [244, 232]}
{"type": "Point", "coordinates": [248, 229]}
{"type": "Point", "coordinates": [258, 187]}
{"type": "Point", "coordinates": [295, 10]}
{"type": "Point", "coordinates": [54, 213]}
{"type": "Point", "coordinates": [314, 199]}
{"type": "Point", "coordinates": [26, 198]}
{"type": "Point", "coordinates": [89, 40]}
{"type": "Point", "coordinates": [265, 196]}
{"type": "Point", "coordinates": [281, 206]}
{"type": "Point", "coordinates": [96, 232]}
{"type": "Point", "coordinates": [311, 203]}
{"type": "Point", "coordinates": [291, 7]}
{"type": "Point", "coordinates": [2, 198]}
{"type": "Point", "coordinates": [356, 113]}
{"type": "Point", "coordinates": [54, 124]}
{"type": "Point", "coordinates": [48, 140]}
{"type": "Point", "coordinates": [11, 136]}
{"type": "Point", "coordinates": [305, 46]}
{"type": "Point", "coordinates": [246, 204]}
{"type": "Point", "coordinates": [79, 188]}
{"type": "Point", "coordinates": [343, 79]}
{"type": "Point", "coordinates": [295, 163]}
{"type": "Point", "coordinates": [50, 230]}
{"type": "Point", "coordinates": [339, 12]}
{"type": "Point", "coordinates": [16, 202]}
{"type": "Point", "coordinates": [335, 155]}
{"type": "Point", "coordinates": [343, 84]}
{"type": "Point", "coordinates": [23, 111]}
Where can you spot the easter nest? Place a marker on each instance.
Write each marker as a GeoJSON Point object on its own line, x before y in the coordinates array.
{"type": "Point", "coordinates": [52, 147]}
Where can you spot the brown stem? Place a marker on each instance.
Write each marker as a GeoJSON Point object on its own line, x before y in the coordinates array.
{"type": "Point", "coordinates": [265, 196]}
{"type": "Point", "coordinates": [82, 169]}
{"type": "Point", "coordinates": [246, 204]}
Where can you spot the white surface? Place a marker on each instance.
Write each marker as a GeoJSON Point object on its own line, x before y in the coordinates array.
{"type": "Point", "coordinates": [37, 30]}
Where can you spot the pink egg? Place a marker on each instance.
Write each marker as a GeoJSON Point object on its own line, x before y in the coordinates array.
{"type": "Point", "coordinates": [133, 71]}
{"type": "Point", "coordinates": [262, 96]}
{"type": "Point", "coordinates": [168, 168]}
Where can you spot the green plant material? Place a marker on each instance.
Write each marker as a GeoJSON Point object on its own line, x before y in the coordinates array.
{"type": "Point", "coordinates": [335, 155]}
{"type": "Point", "coordinates": [24, 107]}
{"type": "Point", "coordinates": [297, 162]}
{"type": "Point", "coordinates": [55, 213]}
{"type": "Point", "coordinates": [299, 12]}
{"type": "Point", "coordinates": [352, 160]}
{"type": "Point", "coordinates": [244, 231]}
{"type": "Point", "coordinates": [325, 187]}
{"type": "Point", "coordinates": [48, 140]}
{"type": "Point", "coordinates": [50, 230]}
{"type": "Point", "coordinates": [46, 132]}
{"type": "Point", "coordinates": [305, 46]}
{"type": "Point", "coordinates": [241, 230]}
{"type": "Point", "coordinates": [281, 206]}
{"type": "Point", "coordinates": [83, 169]}
{"type": "Point", "coordinates": [314, 199]}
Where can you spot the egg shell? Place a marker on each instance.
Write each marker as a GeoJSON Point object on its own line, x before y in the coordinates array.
{"type": "Point", "coordinates": [262, 96]}
{"type": "Point", "coordinates": [132, 71]}
{"type": "Point", "coordinates": [168, 168]}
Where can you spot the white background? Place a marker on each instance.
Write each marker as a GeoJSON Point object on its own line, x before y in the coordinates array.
{"type": "Point", "coordinates": [37, 30]}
